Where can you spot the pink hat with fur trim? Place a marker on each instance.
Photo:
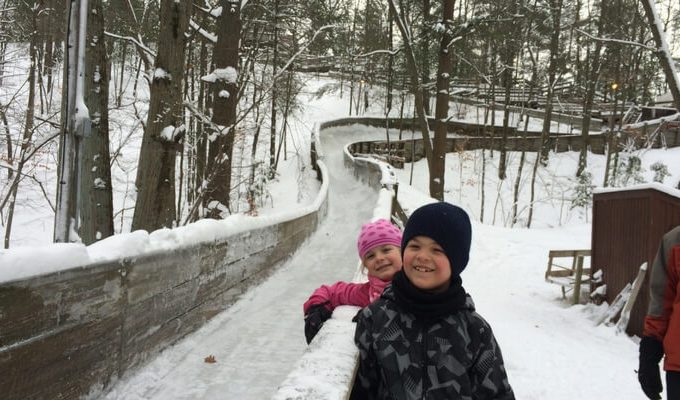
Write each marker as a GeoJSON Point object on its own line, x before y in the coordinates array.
{"type": "Point", "coordinates": [377, 233]}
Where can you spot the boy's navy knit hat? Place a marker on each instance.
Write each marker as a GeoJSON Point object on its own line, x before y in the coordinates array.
{"type": "Point", "coordinates": [446, 224]}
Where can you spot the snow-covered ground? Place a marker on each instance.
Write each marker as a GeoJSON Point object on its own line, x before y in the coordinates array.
{"type": "Point", "coordinates": [257, 341]}
{"type": "Point", "coordinates": [552, 350]}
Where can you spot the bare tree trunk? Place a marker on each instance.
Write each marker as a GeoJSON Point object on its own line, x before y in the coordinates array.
{"type": "Point", "coordinates": [612, 147]}
{"type": "Point", "coordinates": [201, 137]}
{"type": "Point", "coordinates": [663, 52]}
{"type": "Point", "coordinates": [425, 51]}
{"type": "Point", "coordinates": [28, 127]}
{"type": "Point", "coordinates": [155, 207]}
{"type": "Point", "coordinates": [3, 51]}
{"type": "Point", "coordinates": [390, 60]}
{"type": "Point", "coordinates": [438, 166]}
{"type": "Point", "coordinates": [139, 26]}
{"type": "Point", "coordinates": [123, 57]}
{"type": "Point", "coordinates": [49, 57]}
{"type": "Point", "coordinates": [96, 198]}
{"type": "Point", "coordinates": [532, 87]}
{"type": "Point", "coordinates": [8, 138]}
{"type": "Point", "coordinates": [225, 58]}
{"type": "Point", "coordinates": [556, 15]}
{"type": "Point", "coordinates": [275, 61]}
{"type": "Point", "coordinates": [415, 84]}
{"type": "Point", "coordinates": [284, 123]}
{"type": "Point", "coordinates": [592, 77]}
{"type": "Point", "coordinates": [252, 210]}
{"type": "Point", "coordinates": [509, 52]}
{"type": "Point", "coordinates": [518, 179]}
{"type": "Point", "coordinates": [533, 187]}
{"type": "Point", "coordinates": [189, 150]}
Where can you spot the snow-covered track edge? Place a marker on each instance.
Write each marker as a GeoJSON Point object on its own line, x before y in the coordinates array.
{"type": "Point", "coordinates": [68, 330]}
{"type": "Point", "coordinates": [326, 369]}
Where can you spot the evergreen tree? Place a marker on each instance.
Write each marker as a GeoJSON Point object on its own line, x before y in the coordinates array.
{"type": "Point", "coordinates": [629, 172]}
{"type": "Point", "coordinates": [660, 171]}
{"type": "Point", "coordinates": [583, 196]}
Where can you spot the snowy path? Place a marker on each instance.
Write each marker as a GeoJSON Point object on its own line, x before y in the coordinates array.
{"type": "Point", "coordinates": [258, 339]}
{"type": "Point", "coordinates": [551, 351]}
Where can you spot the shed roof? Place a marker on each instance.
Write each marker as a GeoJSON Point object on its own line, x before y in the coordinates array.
{"type": "Point", "coordinates": [643, 186]}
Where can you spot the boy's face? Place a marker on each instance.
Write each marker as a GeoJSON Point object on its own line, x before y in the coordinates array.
{"type": "Point", "coordinates": [426, 265]}
{"type": "Point", "coordinates": [383, 261]}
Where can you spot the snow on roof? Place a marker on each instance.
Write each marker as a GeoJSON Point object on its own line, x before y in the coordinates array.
{"type": "Point", "coordinates": [644, 186]}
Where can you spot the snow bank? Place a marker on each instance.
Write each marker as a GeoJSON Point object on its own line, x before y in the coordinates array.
{"type": "Point", "coordinates": [24, 262]}
{"type": "Point", "coordinates": [326, 369]}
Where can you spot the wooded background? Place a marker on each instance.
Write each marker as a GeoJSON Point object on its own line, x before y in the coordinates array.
{"type": "Point", "coordinates": [222, 73]}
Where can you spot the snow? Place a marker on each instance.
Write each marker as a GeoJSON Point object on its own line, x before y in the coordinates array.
{"type": "Point", "coordinates": [99, 183]}
{"type": "Point", "coordinates": [22, 262]}
{"type": "Point", "coordinates": [216, 12]}
{"type": "Point", "coordinates": [228, 74]}
{"type": "Point", "coordinates": [263, 331]}
{"type": "Point", "coordinates": [643, 186]}
{"type": "Point", "coordinates": [642, 124]}
{"type": "Point", "coordinates": [160, 73]}
{"type": "Point", "coordinates": [209, 36]}
{"type": "Point", "coordinates": [664, 50]}
{"type": "Point", "coordinates": [325, 369]}
{"type": "Point", "coordinates": [14, 260]}
{"type": "Point", "coordinates": [552, 350]}
{"type": "Point", "coordinates": [167, 133]}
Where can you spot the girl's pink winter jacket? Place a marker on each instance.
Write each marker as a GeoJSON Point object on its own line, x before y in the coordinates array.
{"type": "Point", "coordinates": [346, 293]}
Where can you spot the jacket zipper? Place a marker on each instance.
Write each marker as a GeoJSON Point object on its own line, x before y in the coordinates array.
{"type": "Point", "coordinates": [424, 328]}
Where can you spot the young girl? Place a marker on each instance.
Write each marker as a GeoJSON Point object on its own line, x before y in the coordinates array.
{"type": "Point", "coordinates": [379, 251]}
{"type": "Point", "coordinates": [423, 339]}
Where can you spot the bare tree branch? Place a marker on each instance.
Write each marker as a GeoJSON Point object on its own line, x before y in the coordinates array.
{"type": "Point", "coordinates": [619, 41]}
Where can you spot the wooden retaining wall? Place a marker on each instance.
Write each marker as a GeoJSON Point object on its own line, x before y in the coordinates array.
{"type": "Point", "coordinates": [474, 137]}
{"type": "Point", "coordinates": [457, 127]}
{"type": "Point", "coordinates": [413, 149]}
{"type": "Point", "coordinates": [555, 116]}
{"type": "Point", "coordinates": [70, 333]}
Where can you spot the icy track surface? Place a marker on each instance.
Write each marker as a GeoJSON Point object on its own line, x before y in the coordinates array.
{"type": "Point", "coordinates": [552, 351]}
{"type": "Point", "coordinates": [257, 340]}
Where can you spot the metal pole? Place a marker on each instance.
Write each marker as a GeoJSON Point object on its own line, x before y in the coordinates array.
{"type": "Point", "coordinates": [74, 123]}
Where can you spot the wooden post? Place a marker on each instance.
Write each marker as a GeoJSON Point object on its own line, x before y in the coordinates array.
{"type": "Point", "coordinates": [577, 279]}
{"type": "Point", "coordinates": [550, 261]}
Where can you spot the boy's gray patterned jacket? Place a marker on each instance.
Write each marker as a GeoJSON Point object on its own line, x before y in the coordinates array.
{"type": "Point", "coordinates": [455, 357]}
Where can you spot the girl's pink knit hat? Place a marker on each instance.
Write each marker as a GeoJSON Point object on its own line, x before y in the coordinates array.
{"type": "Point", "coordinates": [377, 233]}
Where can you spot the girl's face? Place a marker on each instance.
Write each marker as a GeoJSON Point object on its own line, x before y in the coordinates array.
{"type": "Point", "coordinates": [426, 265]}
{"type": "Point", "coordinates": [383, 261]}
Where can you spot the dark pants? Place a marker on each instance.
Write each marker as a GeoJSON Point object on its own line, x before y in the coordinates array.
{"type": "Point", "coordinates": [673, 385]}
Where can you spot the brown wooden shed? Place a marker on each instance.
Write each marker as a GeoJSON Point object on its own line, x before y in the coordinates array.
{"type": "Point", "coordinates": [627, 228]}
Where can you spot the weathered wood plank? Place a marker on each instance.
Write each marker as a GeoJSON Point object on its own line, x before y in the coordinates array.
{"type": "Point", "coordinates": [46, 303]}
{"type": "Point", "coordinates": [63, 334]}
{"type": "Point", "coordinates": [62, 363]}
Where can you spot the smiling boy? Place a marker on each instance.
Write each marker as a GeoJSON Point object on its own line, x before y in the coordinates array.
{"type": "Point", "coordinates": [423, 339]}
